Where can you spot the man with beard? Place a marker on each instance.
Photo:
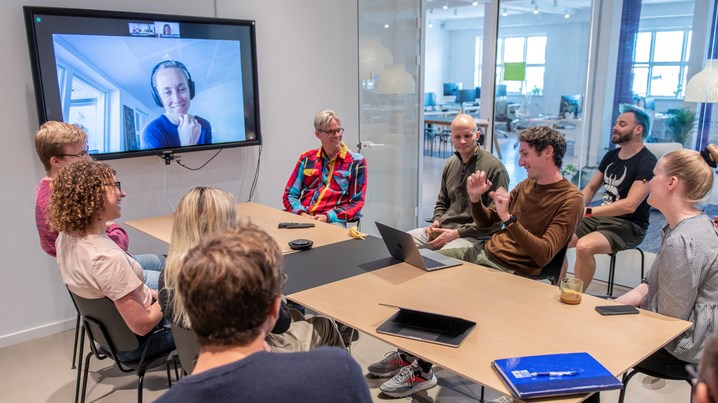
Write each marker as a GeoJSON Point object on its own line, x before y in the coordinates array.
{"type": "Point", "coordinates": [621, 220]}
{"type": "Point", "coordinates": [329, 183]}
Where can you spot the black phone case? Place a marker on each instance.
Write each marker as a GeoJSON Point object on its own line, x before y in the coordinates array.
{"type": "Point", "coordinates": [617, 310]}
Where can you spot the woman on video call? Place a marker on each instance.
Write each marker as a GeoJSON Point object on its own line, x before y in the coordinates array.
{"type": "Point", "coordinates": [173, 89]}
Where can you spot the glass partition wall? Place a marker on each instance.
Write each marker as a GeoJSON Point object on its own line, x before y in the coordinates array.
{"type": "Point", "coordinates": [569, 64]}
{"type": "Point", "coordinates": [389, 99]}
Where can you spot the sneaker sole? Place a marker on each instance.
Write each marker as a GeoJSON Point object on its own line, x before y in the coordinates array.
{"type": "Point", "coordinates": [384, 374]}
{"type": "Point", "coordinates": [422, 386]}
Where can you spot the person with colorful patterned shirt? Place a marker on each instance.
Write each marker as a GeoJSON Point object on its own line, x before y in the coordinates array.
{"type": "Point", "coordinates": [328, 183]}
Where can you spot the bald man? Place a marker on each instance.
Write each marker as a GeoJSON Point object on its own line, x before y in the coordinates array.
{"type": "Point", "coordinates": [452, 225]}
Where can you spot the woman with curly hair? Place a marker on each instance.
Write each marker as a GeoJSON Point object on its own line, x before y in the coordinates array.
{"type": "Point", "coordinates": [200, 212]}
{"type": "Point", "coordinates": [683, 281]}
{"type": "Point", "coordinates": [58, 144]}
{"type": "Point", "coordinates": [86, 195]}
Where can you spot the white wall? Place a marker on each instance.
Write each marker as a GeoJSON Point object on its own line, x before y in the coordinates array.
{"type": "Point", "coordinates": [307, 62]}
{"type": "Point", "coordinates": [435, 72]}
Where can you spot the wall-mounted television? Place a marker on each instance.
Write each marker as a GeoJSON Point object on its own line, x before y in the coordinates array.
{"type": "Point", "coordinates": [146, 84]}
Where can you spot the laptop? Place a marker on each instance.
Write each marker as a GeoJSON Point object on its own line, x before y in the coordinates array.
{"type": "Point", "coordinates": [402, 247]}
{"type": "Point", "coordinates": [426, 326]}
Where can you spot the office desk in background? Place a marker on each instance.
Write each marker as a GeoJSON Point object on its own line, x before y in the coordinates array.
{"type": "Point", "coordinates": [445, 120]}
{"type": "Point", "coordinates": [515, 316]}
{"type": "Point", "coordinates": [265, 217]}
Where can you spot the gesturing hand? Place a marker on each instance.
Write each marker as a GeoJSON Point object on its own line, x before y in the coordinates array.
{"type": "Point", "coordinates": [188, 130]}
{"type": "Point", "coordinates": [476, 185]}
{"type": "Point", "coordinates": [501, 201]}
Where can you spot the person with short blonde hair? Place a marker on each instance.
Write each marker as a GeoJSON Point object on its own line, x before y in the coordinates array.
{"type": "Point", "coordinates": [87, 195]}
{"type": "Point", "coordinates": [231, 285]}
{"type": "Point", "coordinates": [328, 184]}
{"type": "Point", "coordinates": [683, 281]}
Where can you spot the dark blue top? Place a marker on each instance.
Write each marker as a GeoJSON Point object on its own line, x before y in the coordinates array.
{"type": "Point", "coordinates": [162, 133]}
{"type": "Point", "coordinates": [325, 374]}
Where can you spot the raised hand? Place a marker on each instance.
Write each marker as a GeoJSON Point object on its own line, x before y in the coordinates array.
{"type": "Point", "coordinates": [189, 130]}
{"type": "Point", "coordinates": [476, 185]}
{"type": "Point", "coordinates": [501, 201]}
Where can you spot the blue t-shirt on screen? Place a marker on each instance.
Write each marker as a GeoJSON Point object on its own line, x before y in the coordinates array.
{"type": "Point", "coordinates": [162, 133]}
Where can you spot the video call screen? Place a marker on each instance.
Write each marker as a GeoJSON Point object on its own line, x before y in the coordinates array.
{"type": "Point", "coordinates": [142, 84]}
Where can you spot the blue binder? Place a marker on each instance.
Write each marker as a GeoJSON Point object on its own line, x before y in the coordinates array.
{"type": "Point", "coordinates": [555, 375]}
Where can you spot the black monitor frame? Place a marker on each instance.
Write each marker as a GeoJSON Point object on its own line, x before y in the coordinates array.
{"type": "Point", "coordinates": [91, 23]}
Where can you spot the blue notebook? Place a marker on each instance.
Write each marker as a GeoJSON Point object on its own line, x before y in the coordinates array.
{"type": "Point", "coordinates": [555, 375]}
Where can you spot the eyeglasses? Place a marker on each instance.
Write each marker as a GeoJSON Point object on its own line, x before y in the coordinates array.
{"type": "Point", "coordinates": [335, 131]}
{"type": "Point", "coordinates": [117, 185]}
{"type": "Point", "coordinates": [78, 155]}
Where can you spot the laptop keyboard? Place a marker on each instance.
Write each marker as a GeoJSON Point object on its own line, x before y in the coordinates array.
{"type": "Point", "coordinates": [431, 263]}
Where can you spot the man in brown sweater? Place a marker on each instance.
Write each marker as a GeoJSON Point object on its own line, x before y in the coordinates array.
{"type": "Point", "coordinates": [539, 216]}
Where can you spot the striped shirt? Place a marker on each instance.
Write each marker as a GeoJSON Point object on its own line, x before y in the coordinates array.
{"type": "Point", "coordinates": [334, 187]}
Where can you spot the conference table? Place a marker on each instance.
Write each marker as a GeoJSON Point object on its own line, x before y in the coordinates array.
{"type": "Point", "coordinates": [349, 280]}
{"type": "Point", "coordinates": [267, 218]}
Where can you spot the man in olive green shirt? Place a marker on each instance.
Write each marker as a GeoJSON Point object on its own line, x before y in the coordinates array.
{"type": "Point", "coordinates": [452, 225]}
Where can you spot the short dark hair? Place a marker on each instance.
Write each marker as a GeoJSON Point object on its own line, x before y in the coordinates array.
{"type": "Point", "coordinates": [228, 284]}
{"type": "Point", "coordinates": [641, 117]}
{"type": "Point", "coordinates": [540, 137]}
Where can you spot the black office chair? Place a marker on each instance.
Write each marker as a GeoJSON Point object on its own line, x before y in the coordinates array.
{"type": "Point", "coordinates": [108, 333]}
{"type": "Point", "coordinates": [505, 117]}
{"type": "Point", "coordinates": [78, 333]}
{"type": "Point", "coordinates": [552, 271]}
{"type": "Point", "coordinates": [187, 347]}
{"type": "Point", "coordinates": [628, 375]}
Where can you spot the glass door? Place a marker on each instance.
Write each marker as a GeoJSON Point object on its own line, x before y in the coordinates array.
{"type": "Point", "coordinates": [389, 97]}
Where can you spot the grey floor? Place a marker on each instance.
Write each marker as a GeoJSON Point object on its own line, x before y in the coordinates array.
{"type": "Point", "coordinates": [39, 371]}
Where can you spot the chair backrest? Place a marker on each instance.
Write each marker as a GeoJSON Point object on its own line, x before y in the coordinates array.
{"type": "Point", "coordinates": [187, 347]}
{"type": "Point", "coordinates": [552, 271]}
{"type": "Point", "coordinates": [660, 149]}
{"type": "Point", "coordinates": [105, 325]}
{"type": "Point", "coordinates": [501, 110]}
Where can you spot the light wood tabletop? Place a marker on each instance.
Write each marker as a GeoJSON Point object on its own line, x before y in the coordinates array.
{"type": "Point", "coordinates": [515, 317]}
{"type": "Point", "coordinates": [265, 217]}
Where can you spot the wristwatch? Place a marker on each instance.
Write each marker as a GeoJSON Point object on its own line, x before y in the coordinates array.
{"type": "Point", "coordinates": [511, 220]}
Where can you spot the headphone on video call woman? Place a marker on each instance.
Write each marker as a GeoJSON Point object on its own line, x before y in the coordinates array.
{"type": "Point", "coordinates": [167, 64]}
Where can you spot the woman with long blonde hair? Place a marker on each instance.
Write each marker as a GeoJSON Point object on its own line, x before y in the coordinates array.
{"type": "Point", "coordinates": [201, 212]}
